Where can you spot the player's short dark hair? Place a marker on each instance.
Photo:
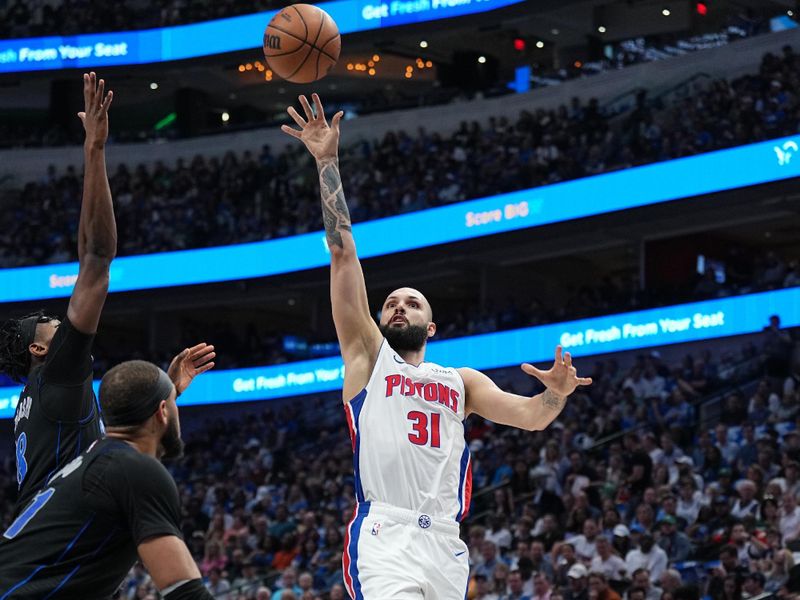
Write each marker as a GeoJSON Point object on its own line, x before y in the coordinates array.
{"type": "Point", "coordinates": [125, 386]}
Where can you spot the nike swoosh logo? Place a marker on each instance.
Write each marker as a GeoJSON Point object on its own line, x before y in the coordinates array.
{"type": "Point", "coordinates": [397, 360]}
{"type": "Point", "coordinates": [460, 553]}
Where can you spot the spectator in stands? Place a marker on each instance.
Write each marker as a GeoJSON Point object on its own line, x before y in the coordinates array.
{"type": "Point", "coordinates": [640, 579]}
{"type": "Point", "coordinates": [670, 581]}
{"type": "Point", "coordinates": [213, 559]}
{"type": "Point", "coordinates": [217, 585]}
{"type": "Point", "coordinates": [673, 542]}
{"type": "Point", "coordinates": [488, 560]}
{"type": "Point", "coordinates": [727, 578]}
{"type": "Point", "coordinates": [541, 588]}
{"type": "Point", "coordinates": [540, 561]}
{"type": "Point", "coordinates": [647, 556]}
{"type": "Point", "coordinates": [777, 570]}
{"type": "Point", "coordinates": [777, 348]}
{"type": "Point", "coordinates": [585, 543]}
{"type": "Point", "coordinates": [564, 561]}
{"type": "Point", "coordinates": [599, 588]}
{"type": "Point", "coordinates": [753, 585]}
{"type": "Point", "coordinates": [790, 518]}
{"type": "Point", "coordinates": [482, 589]}
{"type": "Point", "coordinates": [248, 583]}
{"type": "Point", "coordinates": [607, 562]}
{"type": "Point", "coordinates": [578, 583]}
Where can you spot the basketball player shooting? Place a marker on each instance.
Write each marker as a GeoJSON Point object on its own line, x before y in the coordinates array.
{"type": "Point", "coordinates": [57, 416]}
{"type": "Point", "coordinates": [406, 416]}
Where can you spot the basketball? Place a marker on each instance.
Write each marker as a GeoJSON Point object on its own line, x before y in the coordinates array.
{"type": "Point", "coordinates": [301, 43]}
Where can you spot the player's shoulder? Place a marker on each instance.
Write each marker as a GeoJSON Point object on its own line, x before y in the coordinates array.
{"type": "Point", "coordinates": [134, 465]}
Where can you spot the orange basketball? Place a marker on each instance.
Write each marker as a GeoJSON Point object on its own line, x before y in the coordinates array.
{"type": "Point", "coordinates": [301, 43]}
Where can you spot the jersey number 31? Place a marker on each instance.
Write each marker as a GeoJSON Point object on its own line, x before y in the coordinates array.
{"type": "Point", "coordinates": [421, 435]}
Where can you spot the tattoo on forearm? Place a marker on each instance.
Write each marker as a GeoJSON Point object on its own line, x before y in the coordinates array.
{"type": "Point", "coordinates": [552, 401]}
{"type": "Point", "coordinates": [335, 214]}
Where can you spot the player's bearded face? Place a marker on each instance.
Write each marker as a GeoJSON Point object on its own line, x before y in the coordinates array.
{"type": "Point", "coordinates": [410, 338]}
{"type": "Point", "coordinates": [171, 442]}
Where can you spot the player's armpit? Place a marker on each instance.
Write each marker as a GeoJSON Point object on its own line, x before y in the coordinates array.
{"type": "Point", "coordinates": [168, 560]}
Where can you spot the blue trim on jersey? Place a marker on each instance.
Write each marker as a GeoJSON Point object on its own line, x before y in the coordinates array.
{"type": "Point", "coordinates": [23, 582]}
{"type": "Point", "coordinates": [58, 560]}
{"type": "Point", "coordinates": [103, 543]}
{"type": "Point", "coordinates": [357, 404]}
{"type": "Point", "coordinates": [63, 582]}
{"type": "Point", "coordinates": [90, 416]}
{"type": "Point", "coordinates": [461, 475]}
{"type": "Point", "coordinates": [355, 532]}
{"type": "Point", "coordinates": [58, 451]}
{"type": "Point", "coordinates": [75, 539]}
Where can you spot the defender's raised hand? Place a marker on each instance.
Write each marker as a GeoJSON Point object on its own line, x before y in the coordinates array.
{"type": "Point", "coordinates": [321, 139]}
{"type": "Point", "coordinates": [95, 113]}
{"type": "Point", "coordinates": [562, 378]}
{"type": "Point", "coordinates": [190, 363]}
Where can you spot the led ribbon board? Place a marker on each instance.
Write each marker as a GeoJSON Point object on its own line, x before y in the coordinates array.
{"type": "Point", "coordinates": [682, 178]}
{"type": "Point", "coordinates": [586, 337]}
{"type": "Point", "coordinates": [216, 37]}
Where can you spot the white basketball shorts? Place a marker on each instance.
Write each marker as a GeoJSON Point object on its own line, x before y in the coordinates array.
{"type": "Point", "coordinates": [395, 554]}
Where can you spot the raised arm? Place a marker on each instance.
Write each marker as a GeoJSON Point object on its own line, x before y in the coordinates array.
{"type": "Point", "coordinates": [534, 413]}
{"type": "Point", "coordinates": [359, 336]}
{"type": "Point", "coordinates": [97, 230]}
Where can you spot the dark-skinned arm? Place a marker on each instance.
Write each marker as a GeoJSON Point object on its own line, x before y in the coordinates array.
{"type": "Point", "coordinates": [97, 230]}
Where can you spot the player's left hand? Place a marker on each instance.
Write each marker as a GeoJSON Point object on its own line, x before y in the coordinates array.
{"type": "Point", "coordinates": [562, 378]}
{"type": "Point", "coordinates": [321, 139]}
{"type": "Point", "coordinates": [190, 363]}
{"type": "Point", "coordinates": [95, 114]}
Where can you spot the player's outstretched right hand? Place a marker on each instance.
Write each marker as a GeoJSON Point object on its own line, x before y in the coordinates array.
{"type": "Point", "coordinates": [321, 139]}
{"type": "Point", "coordinates": [95, 113]}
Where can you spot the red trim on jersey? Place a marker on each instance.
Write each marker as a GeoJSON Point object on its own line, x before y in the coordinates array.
{"type": "Point", "coordinates": [348, 579]}
{"type": "Point", "coordinates": [350, 426]}
{"type": "Point", "coordinates": [467, 489]}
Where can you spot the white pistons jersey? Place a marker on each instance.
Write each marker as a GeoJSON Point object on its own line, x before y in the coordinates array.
{"type": "Point", "coordinates": [407, 431]}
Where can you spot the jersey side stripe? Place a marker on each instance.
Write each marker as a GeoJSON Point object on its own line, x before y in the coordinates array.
{"type": "Point", "coordinates": [58, 560]}
{"type": "Point", "coordinates": [463, 495]}
{"type": "Point", "coordinates": [58, 451]}
{"type": "Point", "coordinates": [62, 582]}
{"type": "Point", "coordinates": [348, 581]}
{"type": "Point", "coordinates": [361, 512]}
{"type": "Point", "coordinates": [354, 411]}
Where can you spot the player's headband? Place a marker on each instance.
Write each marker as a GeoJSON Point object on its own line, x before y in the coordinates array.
{"type": "Point", "coordinates": [134, 415]}
{"type": "Point", "coordinates": [27, 326]}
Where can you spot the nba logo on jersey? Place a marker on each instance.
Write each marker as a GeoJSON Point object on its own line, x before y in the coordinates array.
{"type": "Point", "coordinates": [376, 528]}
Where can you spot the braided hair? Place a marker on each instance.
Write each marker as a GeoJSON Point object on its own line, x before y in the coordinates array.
{"type": "Point", "coordinates": [15, 337]}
